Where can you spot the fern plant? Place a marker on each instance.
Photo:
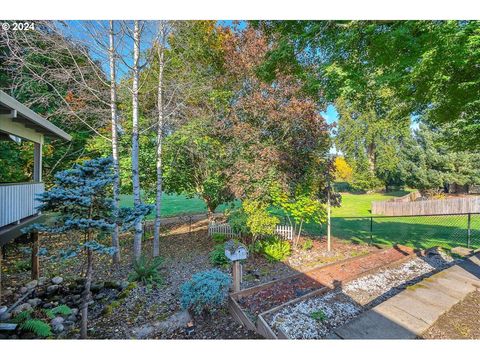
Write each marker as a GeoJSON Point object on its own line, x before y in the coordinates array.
{"type": "Point", "coordinates": [22, 316]}
{"type": "Point", "coordinates": [37, 326]}
{"type": "Point", "coordinates": [146, 271]}
{"type": "Point", "coordinates": [27, 323]}
{"type": "Point", "coordinates": [63, 310]}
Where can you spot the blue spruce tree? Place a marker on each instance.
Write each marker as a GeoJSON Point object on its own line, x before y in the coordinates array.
{"type": "Point", "coordinates": [81, 204]}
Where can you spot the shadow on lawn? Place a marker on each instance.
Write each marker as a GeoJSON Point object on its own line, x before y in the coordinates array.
{"type": "Point", "coordinates": [447, 232]}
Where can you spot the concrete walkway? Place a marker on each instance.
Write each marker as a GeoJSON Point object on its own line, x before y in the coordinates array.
{"type": "Point", "coordinates": [411, 312]}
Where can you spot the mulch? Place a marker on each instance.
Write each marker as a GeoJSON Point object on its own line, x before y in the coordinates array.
{"type": "Point", "coordinates": [462, 321]}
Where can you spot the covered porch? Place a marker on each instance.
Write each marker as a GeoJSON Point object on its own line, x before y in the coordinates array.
{"type": "Point", "coordinates": [18, 207]}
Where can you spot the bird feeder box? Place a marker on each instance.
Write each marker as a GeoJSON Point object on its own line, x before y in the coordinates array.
{"type": "Point", "coordinates": [235, 251]}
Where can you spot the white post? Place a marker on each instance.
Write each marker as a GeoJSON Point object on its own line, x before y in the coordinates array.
{"type": "Point", "coordinates": [329, 240]}
{"type": "Point", "coordinates": [37, 162]}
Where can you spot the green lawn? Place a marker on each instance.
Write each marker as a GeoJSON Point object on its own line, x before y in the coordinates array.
{"type": "Point", "coordinates": [360, 204]}
{"type": "Point", "coordinates": [175, 205]}
{"type": "Point", "coordinates": [352, 222]}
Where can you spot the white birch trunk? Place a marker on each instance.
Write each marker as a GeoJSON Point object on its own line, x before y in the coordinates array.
{"type": "Point", "coordinates": [158, 203]}
{"type": "Point", "coordinates": [116, 167]}
{"type": "Point", "coordinates": [137, 241]}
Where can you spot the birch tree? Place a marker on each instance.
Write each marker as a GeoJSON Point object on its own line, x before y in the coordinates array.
{"type": "Point", "coordinates": [137, 241]}
{"type": "Point", "coordinates": [115, 157]}
{"type": "Point", "coordinates": [162, 38]}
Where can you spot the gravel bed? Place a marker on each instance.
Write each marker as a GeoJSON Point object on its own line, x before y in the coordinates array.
{"type": "Point", "coordinates": [339, 306]}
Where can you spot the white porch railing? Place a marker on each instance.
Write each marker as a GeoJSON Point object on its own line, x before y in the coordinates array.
{"type": "Point", "coordinates": [17, 201]}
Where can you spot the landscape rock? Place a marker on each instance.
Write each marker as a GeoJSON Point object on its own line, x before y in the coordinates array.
{"type": "Point", "coordinates": [57, 280]}
{"type": "Point", "coordinates": [177, 320]}
{"type": "Point", "coordinates": [42, 280]}
{"type": "Point", "coordinates": [20, 308]}
{"type": "Point", "coordinates": [97, 286]}
{"type": "Point", "coordinates": [32, 284]}
{"type": "Point", "coordinates": [7, 292]}
{"type": "Point", "coordinates": [123, 284]}
{"type": "Point", "coordinates": [3, 309]}
{"type": "Point", "coordinates": [35, 302]}
{"type": "Point", "coordinates": [52, 289]}
{"type": "Point", "coordinates": [23, 290]}
{"type": "Point", "coordinates": [58, 328]}
{"type": "Point", "coordinates": [57, 321]}
{"type": "Point", "coordinates": [5, 316]}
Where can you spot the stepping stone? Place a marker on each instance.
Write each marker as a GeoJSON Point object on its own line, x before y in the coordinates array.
{"type": "Point", "coordinates": [416, 307]}
{"type": "Point", "coordinates": [372, 325]}
{"type": "Point", "coordinates": [433, 296]}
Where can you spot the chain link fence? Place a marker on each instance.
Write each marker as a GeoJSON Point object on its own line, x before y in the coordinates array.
{"type": "Point", "coordinates": [422, 231]}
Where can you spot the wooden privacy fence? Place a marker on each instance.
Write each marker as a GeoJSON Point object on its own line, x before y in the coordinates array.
{"type": "Point", "coordinates": [428, 207]}
{"type": "Point", "coordinates": [284, 231]}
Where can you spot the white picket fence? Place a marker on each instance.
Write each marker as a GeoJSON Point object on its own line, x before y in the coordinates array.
{"type": "Point", "coordinates": [224, 229]}
{"type": "Point", "coordinates": [284, 231]}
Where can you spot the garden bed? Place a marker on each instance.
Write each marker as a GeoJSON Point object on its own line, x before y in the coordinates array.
{"type": "Point", "coordinates": [317, 316]}
{"type": "Point", "coordinates": [259, 299]}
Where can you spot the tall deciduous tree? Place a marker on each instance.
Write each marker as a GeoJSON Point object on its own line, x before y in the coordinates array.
{"type": "Point", "coordinates": [163, 31]}
{"type": "Point", "coordinates": [274, 130]}
{"type": "Point", "coordinates": [431, 66]}
{"type": "Point", "coordinates": [115, 150]}
{"type": "Point", "coordinates": [369, 142]}
{"type": "Point", "coordinates": [137, 240]}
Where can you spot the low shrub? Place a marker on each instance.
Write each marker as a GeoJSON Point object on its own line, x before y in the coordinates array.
{"type": "Point", "coordinates": [219, 238]}
{"type": "Point", "coordinates": [318, 315]}
{"type": "Point", "coordinates": [238, 221]}
{"type": "Point", "coordinates": [217, 256]}
{"type": "Point", "coordinates": [205, 291]}
{"type": "Point", "coordinates": [146, 271]}
{"type": "Point", "coordinates": [272, 247]}
{"type": "Point", "coordinates": [21, 266]}
{"type": "Point", "coordinates": [276, 250]}
{"type": "Point", "coordinates": [307, 244]}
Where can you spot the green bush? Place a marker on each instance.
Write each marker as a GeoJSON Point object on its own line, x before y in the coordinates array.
{"type": "Point", "coordinates": [238, 221]}
{"type": "Point", "coordinates": [205, 291]}
{"type": "Point", "coordinates": [272, 248]}
{"type": "Point", "coordinates": [276, 250]}
{"type": "Point", "coordinates": [146, 271]}
{"type": "Point", "coordinates": [21, 266]}
{"type": "Point", "coordinates": [365, 182]}
{"type": "Point", "coordinates": [217, 256]}
{"type": "Point", "coordinates": [318, 315]}
{"type": "Point", "coordinates": [219, 238]}
{"type": "Point", "coordinates": [307, 244]}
